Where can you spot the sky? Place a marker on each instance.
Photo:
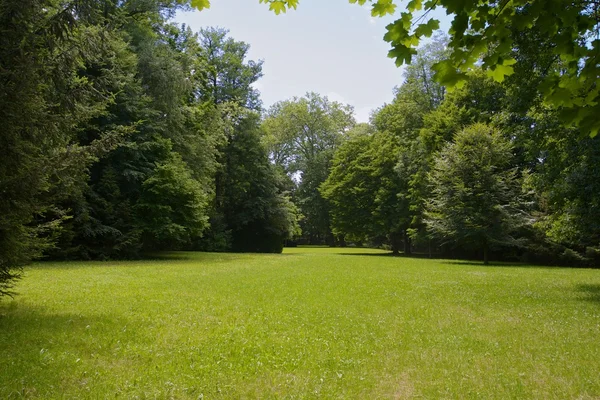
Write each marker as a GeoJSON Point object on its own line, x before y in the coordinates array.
{"type": "Point", "coordinates": [326, 46]}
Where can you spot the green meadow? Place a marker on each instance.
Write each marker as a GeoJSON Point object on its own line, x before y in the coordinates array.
{"type": "Point", "coordinates": [309, 323]}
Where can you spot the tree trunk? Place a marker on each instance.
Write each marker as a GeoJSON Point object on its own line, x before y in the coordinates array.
{"type": "Point", "coordinates": [395, 242]}
{"type": "Point", "coordinates": [407, 244]}
{"type": "Point", "coordinates": [330, 239]}
{"type": "Point", "coordinates": [486, 260]}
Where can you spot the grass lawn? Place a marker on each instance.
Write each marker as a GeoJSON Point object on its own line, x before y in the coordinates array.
{"type": "Point", "coordinates": [310, 323]}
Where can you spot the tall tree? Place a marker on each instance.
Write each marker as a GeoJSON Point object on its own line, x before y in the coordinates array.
{"type": "Point", "coordinates": [476, 197]}
{"type": "Point", "coordinates": [388, 165]}
{"type": "Point", "coordinates": [229, 76]}
{"type": "Point", "coordinates": [350, 187]}
{"type": "Point", "coordinates": [419, 77]}
{"type": "Point", "coordinates": [566, 179]}
{"type": "Point", "coordinates": [156, 96]}
{"type": "Point", "coordinates": [48, 50]}
{"type": "Point", "coordinates": [251, 212]}
{"type": "Point", "coordinates": [257, 214]}
{"type": "Point", "coordinates": [302, 135]}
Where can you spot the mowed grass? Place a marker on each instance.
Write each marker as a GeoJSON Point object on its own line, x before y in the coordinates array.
{"type": "Point", "coordinates": [310, 323]}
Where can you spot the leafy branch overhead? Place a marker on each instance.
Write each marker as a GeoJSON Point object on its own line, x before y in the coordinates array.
{"type": "Point", "coordinates": [483, 32]}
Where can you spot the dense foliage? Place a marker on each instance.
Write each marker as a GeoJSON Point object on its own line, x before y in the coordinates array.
{"type": "Point", "coordinates": [124, 133]}
{"type": "Point", "coordinates": [302, 135]}
{"type": "Point", "coordinates": [476, 195]}
{"type": "Point", "coordinates": [487, 170]}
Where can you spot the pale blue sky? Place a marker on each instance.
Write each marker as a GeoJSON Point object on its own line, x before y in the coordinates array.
{"type": "Point", "coordinates": [327, 46]}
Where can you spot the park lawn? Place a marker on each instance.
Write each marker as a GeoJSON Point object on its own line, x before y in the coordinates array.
{"type": "Point", "coordinates": [309, 323]}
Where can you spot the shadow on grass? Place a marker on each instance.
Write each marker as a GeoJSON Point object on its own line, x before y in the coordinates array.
{"type": "Point", "coordinates": [419, 256]}
{"type": "Point", "coordinates": [503, 264]}
{"type": "Point", "coordinates": [26, 326]}
{"type": "Point", "coordinates": [371, 254]}
{"type": "Point", "coordinates": [201, 255]}
{"type": "Point", "coordinates": [478, 263]}
{"type": "Point", "coordinates": [458, 262]}
{"type": "Point", "coordinates": [171, 256]}
{"type": "Point", "coordinates": [181, 256]}
{"type": "Point", "coordinates": [41, 348]}
{"type": "Point", "coordinates": [590, 292]}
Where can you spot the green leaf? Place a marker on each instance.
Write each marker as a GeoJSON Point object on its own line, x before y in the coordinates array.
{"type": "Point", "coordinates": [589, 121]}
{"type": "Point", "coordinates": [459, 25]}
{"type": "Point", "coordinates": [200, 4]}
{"type": "Point", "coordinates": [509, 61]}
{"type": "Point", "coordinates": [411, 41]}
{"type": "Point", "coordinates": [383, 8]}
{"type": "Point", "coordinates": [560, 97]}
{"type": "Point", "coordinates": [277, 7]}
{"type": "Point", "coordinates": [448, 75]}
{"type": "Point", "coordinates": [499, 72]}
{"type": "Point", "coordinates": [402, 54]}
{"type": "Point", "coordinates": [427, 28]}
{"type": "Point", "coordinates": [397, 32]}
{"type": "Point", "coordinates": [414, 5]}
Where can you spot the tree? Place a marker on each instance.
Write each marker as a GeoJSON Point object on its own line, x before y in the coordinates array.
{"type": "Point", "coordinates": [257, 215]}
{"type": "Point", "coordinates": [480, 100]}
{"type": "Point", "coordinates": [400, 158]}
{"type": "Point", "coordinates": [566, 180]}
{"type": "Point", "coordinates": [228, 76]}
{"type": "Point", "coordinates": [301, 135]}
{"type": "Point", "coordinates": [350, 188]}
{"type": "Point", "coordinates": [297, 131]}
{"type": "Point", "coordinates": [377, 177]}
{"type": "Point", "coordinates": [368, 198]}
{"type": "Point", "coordinates": [419, 77]}
{"type": "Point", "coordinates": [250, 212]}
{"type": "Point", "coordinates": [476, 193]}
{"type": "Point", "coordinates": [47, 49]}
{"type": "Point", "coordinates": [173, 142]}
{"type": "Point", "coordinates": [171, 210]}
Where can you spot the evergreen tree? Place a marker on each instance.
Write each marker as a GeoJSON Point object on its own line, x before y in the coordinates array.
{"type": "Point", "coordinates": [476, 196]}
{"type": "Point", "coordinates": [250, 211]}
{"type": "Point", "coordinates": [257, 215]}
{"type": "Point", "coordinates": [57, 75]}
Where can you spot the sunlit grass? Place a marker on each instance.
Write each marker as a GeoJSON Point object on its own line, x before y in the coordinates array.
{"type": "Point", "coordinates": [311, 323]}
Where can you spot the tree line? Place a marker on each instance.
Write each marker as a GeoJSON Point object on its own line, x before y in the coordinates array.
{"type": "Point", "coordinates": [486, 169]}
{"type": "Point", "coordinates": [124, 133]}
